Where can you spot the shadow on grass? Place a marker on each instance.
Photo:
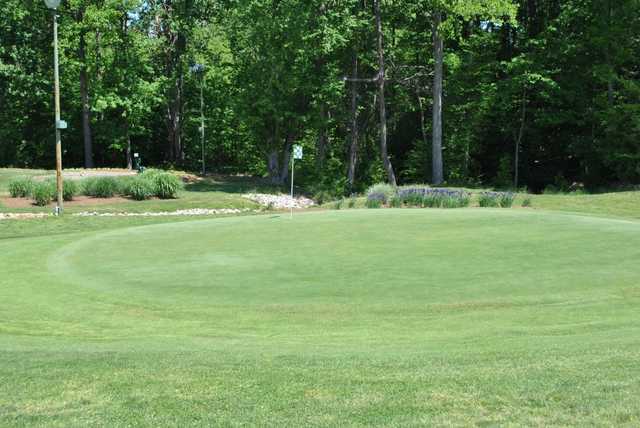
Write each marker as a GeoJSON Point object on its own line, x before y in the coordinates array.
{"type": "Point", "coordinates": [232, 184]}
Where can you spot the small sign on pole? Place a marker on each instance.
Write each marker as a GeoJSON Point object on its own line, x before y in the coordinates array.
{"type": "Point", "coordinates": [297, 154]}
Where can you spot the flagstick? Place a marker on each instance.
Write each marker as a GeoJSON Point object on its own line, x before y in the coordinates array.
{"type": "Point", "coordinates": [293, 161]}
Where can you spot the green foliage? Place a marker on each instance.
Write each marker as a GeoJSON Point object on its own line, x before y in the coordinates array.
{"type": "Point", "coordinates": [526, 202]}
{"type": "Point", "coordinates": [21, 187]}
{"type": "Point", "coordinates": [506, 200]}
{"type": "Point", "coordinates": [43, 193]}
{"type": "Point", "coordinates": [489, 200]}
{"type": "Point", "coordinates": [375, 201]}
{"type": "Point", "coordinates": [352, 202]}
{"type": "Point", "coordinates": [140, 188]}
{"type": "Point", "coordinates": [337, 205]}
{"type": "Point", "coordinates": [70, 189]}
{"type": "Point", "coordinates": [384, 190]}
{"type": "Point", "coordinates": [166, 185]}
{"type": "Point", "coordinates": [101, 187]}
{"type": "Point", "coordinates": [395, 201]}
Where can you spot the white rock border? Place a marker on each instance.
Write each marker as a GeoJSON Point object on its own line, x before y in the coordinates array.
{"type": "Point", "coordinates": [279, 201]}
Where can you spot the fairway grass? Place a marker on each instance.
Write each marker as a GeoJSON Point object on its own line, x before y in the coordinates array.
{"type": "Point", "coordinates": [339, 318]}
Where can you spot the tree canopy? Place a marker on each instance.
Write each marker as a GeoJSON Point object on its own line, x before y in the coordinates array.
{"type": "Point", "coordinates": [495, 92]}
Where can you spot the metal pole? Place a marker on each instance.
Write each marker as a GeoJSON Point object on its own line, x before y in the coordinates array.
{"type": "Point", "coordinates": [293, 162]}
{"type": "Point", "coordinates": [202, 123]}
{"type": "Point", "coordinates": [56, 78]}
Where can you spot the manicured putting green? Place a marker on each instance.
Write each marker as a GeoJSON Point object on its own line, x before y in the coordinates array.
{"type": "Point", "coordinates": [383, 317]}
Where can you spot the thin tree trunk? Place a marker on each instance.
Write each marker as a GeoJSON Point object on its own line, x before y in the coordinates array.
{"type": "Point", "coordinates": [382, 107]}
{"type": "Point", "coordinates": [438, 54]}
{"type": "Point", "coordinates": [523, 119]}
{"type": "Point", "coordinates": [286, 159]}
{"type": "Point", "coordinates": [127, 136]}
{"type": "Point", "coordinates": [423, 129]}
{"type": "Point", "coordinates": [86, 111]}
{"type": "Point", "coordinates": [353, 148]}
{"type": "Point", "coordinates": [274, 166]}
{"type": "Point", "coordinates": [321, 145]}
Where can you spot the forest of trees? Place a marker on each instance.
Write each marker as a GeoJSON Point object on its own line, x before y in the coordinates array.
{"type": "Point", "coordinates": [510, 93]}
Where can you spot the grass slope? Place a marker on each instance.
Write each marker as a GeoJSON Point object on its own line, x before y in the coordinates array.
{"type": "Point", "coordinates": [378, 317]}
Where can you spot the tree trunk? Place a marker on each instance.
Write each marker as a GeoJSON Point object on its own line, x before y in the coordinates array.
{"type": "Point", "coordinates": [274, 166]}
{"type": "Point", "coordinates": [423, 130]}
{"type": "Point", "coordinates": [321, 145]}
{"type": "Point", "coordinates": [127, 136]}
{"type": "Point", "coordinates": [353, 148]}
{"type": "Point", "coordinates": [286, 158]}
{"type": "Point", "coordinates": [86, 111]}
{"type": "Point", "coordinates": [382, 107]}
{"type": "Point", "coordinates": [519, 139]}
{"type": "Point", "coordinates": [175, 149]}
{"type": "Point", "coordinates": [438, 54]}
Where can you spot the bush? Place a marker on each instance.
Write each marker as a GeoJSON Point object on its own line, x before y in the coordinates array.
{"type": "Point", "coordinates": [338, 204]}
{"type": "Point", "coordinates": [376, 200]}
{"type": "Point", "coordinates": [321, 196]}
{"type": "Point", "coordinates": [352, 202]}
{"type": "Point", "coordinates": [489, 200]}
{"type": "Point", "coordinates": [506, 199]}
{"type": "Point", "coordinates": [412, 196]}
{"type": "Point", "coordinates": [396, 202]}
{"type": "Point", "coordinates": [44, 193]}
{"type": "Point", "coordinates": [526, 202]}
{"type": "Point", "coordinates": [101, 187]}
{"type": "Point", "coordinates": [139, 188]}
{"type": "Point", "coordinates": [387, 190]}
{"type": "Point", "coordinates": [166, 185]}
{"type": "Point", "coordinates": [69, 190]}
{"type": "Point", "coordinates": [21, 187]}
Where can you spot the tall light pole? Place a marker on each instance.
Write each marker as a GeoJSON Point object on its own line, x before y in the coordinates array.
{"type": "Point", "coordinates": [60, 124]}
{"type": "Point", "coordinates": [198, 69]}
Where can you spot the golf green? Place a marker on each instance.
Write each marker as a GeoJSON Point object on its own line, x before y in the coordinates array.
{"type": "Point", "coordinates": [357, 317]}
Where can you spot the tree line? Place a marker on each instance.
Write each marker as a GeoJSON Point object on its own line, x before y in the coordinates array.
{"type": "Point", "coordinates": [493, 92]}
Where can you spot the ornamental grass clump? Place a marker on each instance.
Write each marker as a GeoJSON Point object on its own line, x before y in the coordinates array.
{"type": "Point", "coordinates": [139, 188]}
{"type": "Point", "coordinates": [43, 193]}
{"type": "Point", "coordinates": [376, 200]}
{"type": "Point", "coordinates": [166, 185]}
{"type": "Point", "coordinates": [69, 190]}
{"type": "Point", "coordinates": [387, 190]}
{"type": "Point", "coordinates": [496, 199]}
{"type": "Point", "coordinates": [412, 196]}
{"type": "Point", "coordinates": [101, 187]}
{"type": "Point", "coordinates": [506, 200]}
{"type": "Point", "coordinates": [21, 187]}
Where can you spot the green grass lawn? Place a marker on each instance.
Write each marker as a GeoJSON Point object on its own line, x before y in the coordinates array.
{"type": "Point", "coordinates": [343, 318]}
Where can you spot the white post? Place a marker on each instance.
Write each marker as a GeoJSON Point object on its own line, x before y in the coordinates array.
{"type": "Point", "coordinates": [293, 161]}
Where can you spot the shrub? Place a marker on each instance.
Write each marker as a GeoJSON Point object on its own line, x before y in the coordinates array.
{"type": "Point", "coordinates": [526, 202]}
{"type": "Point", "coordinates": [412, 196]}
{"type": "Point", "coordinates": [21, 187]}
{"type": "Point", "coordinates": [387, 190]}
{"type": "Point", "coordinates": [489, 199]}
{"type": "Point", "coordinates": [376, 200]}
{"type": "Point", "coordinates": [352, 202]}
{"type": "Point", "coordinates": [506, 199]}
{"type": "Point", "coordinates": [321, 196]}
{"type": "Point", "coordinates": [166, 185]}
{"type": "Point", "coordinates": [139, 188]}
{"type": "Point", "coordinates": [101, 187]}
{"type": "Point", "coordinates": [43, 193]}
{"type": "Point", "coordinates": [396, 202]}
{"type": "Point", "coordinates": [434, 198]}
{"type": "Point", "coordinates": [69, 190]}
{"type": "Point", "coordinates": [338, 204]}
